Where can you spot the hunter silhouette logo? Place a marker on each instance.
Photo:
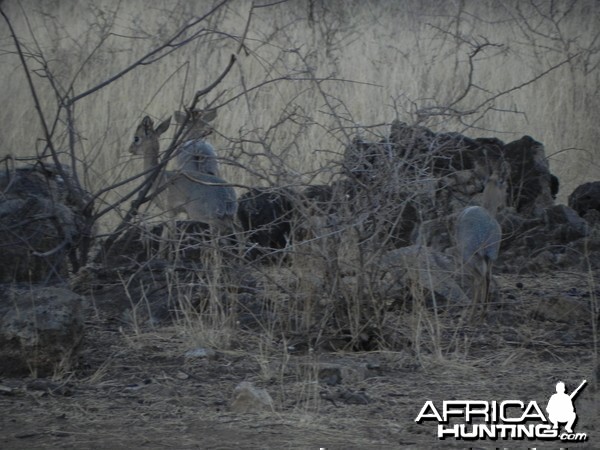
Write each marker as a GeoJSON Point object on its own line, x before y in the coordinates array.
{"type": "Point", "coordinates": [560, 407]}
{"type": "Point", "coordinates": [507, 419]}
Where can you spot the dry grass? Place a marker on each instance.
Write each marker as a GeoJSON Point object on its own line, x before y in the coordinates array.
{"type": "Point", "coordinates": [385, 59]}
{"type": "Point", "coordinates": [142, 390]}
{"type": "Point", "coordinates": [298, 93]}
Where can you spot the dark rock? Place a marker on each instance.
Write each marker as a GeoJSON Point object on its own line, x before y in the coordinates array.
{"type": "Point", "coordinates": [364, 160]}
{"type": "Point", "coordinates": [327, 198]}
{"type": "Point", "coordinates": [565, 224]}
{"type": "Point", "coordinates": [43, 224]}
{"type": "Point", "coordinates": [592, 217]}
{"type": "Point", "coordinates": [554, 185]}
{"type": "Point", "coordinates": [517, 229]}
{"type": "Point", "coordinates": [321, 194]}
{"type": "Point", "coordinates": [409, 142]}
{"type": "Point", "coordinates": [265, 215]}
{"type": "Point", "coordinates": [585, 197]}
{"type": "Point", "coordinates": [41, 330]}
{"type": "Point", "coordinates": [530, 186]}
{"type": "Point", "coordinates": [443, 153]}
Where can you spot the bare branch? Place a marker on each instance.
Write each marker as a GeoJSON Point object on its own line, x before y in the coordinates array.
{"type": "Point", "coordinates": [74, 193]}
{"type": "Point", "coordinates": [151, 55]}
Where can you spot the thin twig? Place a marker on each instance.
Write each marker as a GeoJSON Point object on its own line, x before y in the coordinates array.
{"type": "Point", "coordinates": [148, 56]}
{"type": "Point", "coordinates": [48, 137]}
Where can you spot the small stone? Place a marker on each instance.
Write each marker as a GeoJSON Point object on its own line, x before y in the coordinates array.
{"type": "Point", "coordinates": [248, 398]}
{"type": "Point", "coordinates": [563, 309]}
{"type": "Point", "coordinates": [200, 352]}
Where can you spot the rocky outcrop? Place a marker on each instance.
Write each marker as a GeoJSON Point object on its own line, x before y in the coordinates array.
{"type": "Point", "coordinates": [416, 150]}
{"type": "Point", "coordinates": [438, 174]}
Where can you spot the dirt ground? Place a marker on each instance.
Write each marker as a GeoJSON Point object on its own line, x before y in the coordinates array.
{"type": "Point", "coordinates": [138, 389]}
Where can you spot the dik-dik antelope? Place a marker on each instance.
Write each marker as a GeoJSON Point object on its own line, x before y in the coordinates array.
{"type": "Point", "coordinates": [478, 236]}
{"type": "Point", "coordinates": [203, 197]}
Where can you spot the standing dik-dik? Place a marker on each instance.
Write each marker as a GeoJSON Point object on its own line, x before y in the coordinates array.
{"type": "Point", "coordinates": [478, 236]}
{"type": "Point", "coordinates": [204, 197]}
{"type": "Point", "coordinates": [196, 154]}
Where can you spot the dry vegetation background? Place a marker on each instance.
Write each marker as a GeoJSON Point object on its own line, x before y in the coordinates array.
{"type": "Point", "coordinates": [311, 73]}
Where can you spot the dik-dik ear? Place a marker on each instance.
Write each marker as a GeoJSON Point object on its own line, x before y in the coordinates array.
{"type": "Point", "coordinates": [147, 125]}
{"type": "Point", "coordinates": [209, 115]}
{"type": "Point", "coordinates": [179, 116]}
{"type": "Point", "coordinates": [164, 126]}
{"type": "Point", "coordinates": [206, 116]}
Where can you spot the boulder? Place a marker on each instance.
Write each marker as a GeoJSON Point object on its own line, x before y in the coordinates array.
{"type": "Point", "coordinates": [564, 224]}
{"type": "Point", "coordinates": [531, 185]}
{"type": "Point", "coordinates": [265, 214]}
{"type": "Point", "coordinates": [41, 330]}
{"type": "Point", "coordinates": [43, 224]}
{"type": "Point", "coordinates": [592, 217]}
{"type": "Point", "coordinates": [326, 198]}
{"type": "Point", "coordinates": [585, 197]}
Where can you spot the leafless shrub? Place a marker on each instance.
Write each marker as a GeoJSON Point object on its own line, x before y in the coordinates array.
{"type": "Point", "coordinates": [335, 110]}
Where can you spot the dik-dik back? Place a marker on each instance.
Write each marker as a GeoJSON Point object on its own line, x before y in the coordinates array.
{"type": "Point", "coordinates": [478, 233]}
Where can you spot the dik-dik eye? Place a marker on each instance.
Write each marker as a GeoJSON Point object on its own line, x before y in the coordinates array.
{"type": "Point", "coordinates": [137, 140]}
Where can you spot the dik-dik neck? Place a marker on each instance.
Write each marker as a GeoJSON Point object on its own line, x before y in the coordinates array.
{"type": "Point", "coordinates": [493, 198]}
{"type": "Point", "coordinates": [150, 162]}
{"type": "Point", "coordinates": [150, 159]}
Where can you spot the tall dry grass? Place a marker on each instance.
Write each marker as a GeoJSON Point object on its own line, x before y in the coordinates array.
{"type": "Point", "coordinates": [339, 64]}
{"type": "Point", "coordinates": [311, 74]}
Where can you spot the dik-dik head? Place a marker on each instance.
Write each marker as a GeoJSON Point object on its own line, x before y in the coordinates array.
{"type": "Point", "coordinates": [198, 127]}
{"type": "Point", "coordinates": [494, 193]}
{"type": "Point", "coordinates": [145, 139]}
